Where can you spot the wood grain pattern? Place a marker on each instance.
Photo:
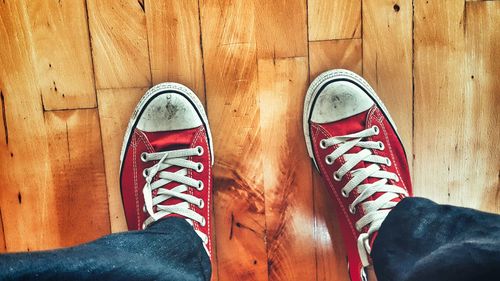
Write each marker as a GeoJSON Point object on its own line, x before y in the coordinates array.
{"type": "Point", "coordinates": [231, 90]}
{"type": "Point", "coordinates": [456, 100]}
{"type": "Point", "coordinates": [326, 55]}
{"type": "Point", "coordinates": [281, 28]}
{"type": "Point", "coordinates": [282, 81]}
{"type": "Point", "coordinates": [481, 115]}
{"type": "Point", "coordinates": [61, 53]}
{"type": "Point", "coordinates": [78, 189]}
{"type": "Point", "coordinates": [119, 43]}
{"type": "Point", "coordinates": [286, 169]}
{"type": "Point", "coordinates": [113, 125]}
{"type": "Point", "coordinates": [330, 253]}
{"type": "Point", "coordinates": [334, 19]}
{"type": "Point", "coordinates": [41, 169]}
{"type": "Point", "coordinates": [387, 60]}
{"type": "Point", "coordinates": [174, 43]}
{"type": "Point", "coordinates": [20, 120]}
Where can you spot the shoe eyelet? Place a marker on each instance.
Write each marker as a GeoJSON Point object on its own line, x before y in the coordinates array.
{"type": "Point", "coordinates": [200, 186]}
{"type": "Point", "coordinates": [344, 193]}
{"type": "Point", "coordinates": [144, 209]}
{"type": "Point", "coordinates": [199, 168]}
{"type": "Point", "coordinates": [376, 130]}
{"type": "Point", "coordinates": [388, 162]}
{"type": "Point", "coordinates": [203, 221]}
{"type": "Point", "coordinates": [328, 160]}
{"type": "Point", "coordinates": [144, 157]}
{"type": "Point", "coordinates": [201, 204]}
{"type": "Point", "coordinates": [145, 173]}
{"type": "Point", "coordinates": [337, 177]}
{"type": "Point", "coordinates": [322, 144]}
{"type": "Point", "coordinates": [352, 210]}
{"type": "Point", "coordinates": [199, 149]}
{"type": "Point", "coordinates": [381, 145]}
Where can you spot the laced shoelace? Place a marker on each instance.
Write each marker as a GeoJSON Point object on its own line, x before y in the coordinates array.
{"type": "Point", "coordinates": [375, 210]}
{"type": "Point", "coordinates": [166, 159]}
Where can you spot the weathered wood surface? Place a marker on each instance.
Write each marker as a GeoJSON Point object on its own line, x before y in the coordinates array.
{"type": "Point", "coordinates": [456, 102]}
{"type": "Point", "coordinates": [72, 71]}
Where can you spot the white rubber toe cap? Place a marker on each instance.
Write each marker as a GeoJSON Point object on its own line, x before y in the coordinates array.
{"type": "Point", "coordinates": [168, 112]}
{"type": "Point", "coordinates": [339, 100]}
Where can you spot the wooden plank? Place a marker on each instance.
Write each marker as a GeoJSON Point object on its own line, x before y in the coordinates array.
{"type": "Point", "coordinates": [61, 53]}
{"type": "Point", "coordinates": [278, 34]}
{"type": "Point", "coordinates": [174, 43]}
{"type": "Point", "coordinates": [326, 55]}
{"type": "Point", "coordinates": [287, 169]}
{"type": "Point", "coordinates": [482, 101]}
{"type": "Point", "coordinates": [334, 19]}
{"type": "Point", "coordinates": [229, 53]}
{"type": "Point", "coordinates": [331, 258]}
{"type": "Point", "coordinates": [456, 100]}
{"type": "Point", "coordinates": [119, 43]}
{"type": "Point", "coordinates": [387, 60]}
{"type": "Point", "coordinates": [282, 80]}
{"type": "Point", "coordinates": [113, 125]}
{"type": "Point", "coordinates": [439, 90]}
{"type": "Point", "coordinates": [22, 120]}
{"type": "Point", "coordinates": [80, 204]}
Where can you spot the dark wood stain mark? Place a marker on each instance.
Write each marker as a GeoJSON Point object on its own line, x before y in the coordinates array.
{"type": "Point", "coordinates": [67, 143]}
{"type": "Point", "coordinates": [232, 226]}
{"type": "Point", "coordinates": [4, 118]}
{"type": "Point", "coordinates": [43, 105]}
{"type": "Point", "coordinates": [3, 230]}
{"type": "Point", "coordinates": [240, 225]}
{"type": "Point", "coordinates": [141, 3]}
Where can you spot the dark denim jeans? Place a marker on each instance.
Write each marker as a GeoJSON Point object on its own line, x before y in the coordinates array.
{"type": "Point", "coordinates": [167, 250]}
{"type": "Point", "coordinates": [419, 240]}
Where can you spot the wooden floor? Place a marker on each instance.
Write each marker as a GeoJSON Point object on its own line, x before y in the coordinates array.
{"type": "Point", "coordinates": [71, 73]}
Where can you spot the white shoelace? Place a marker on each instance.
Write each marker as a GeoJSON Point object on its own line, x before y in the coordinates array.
{"type": "Point", "coordinates": [165, 160]}
{"type": "Point", "coordinates": [375, 210]}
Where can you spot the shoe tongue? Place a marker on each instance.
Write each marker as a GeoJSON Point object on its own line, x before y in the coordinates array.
{"type": "Point", "coordinates": [171, 140]}
{"type": "Point", "coordinates": [355, 124]}
{"type": "Point", "coordinates": [351, 125]}
{"type": "Point", "coordinates": [165, 141]}
{"type": "Point", "coordinates": [347, 126]}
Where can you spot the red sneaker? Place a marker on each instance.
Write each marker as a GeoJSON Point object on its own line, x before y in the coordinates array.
{"type": "Point", "coordinates": [166, 161]}
{"type": "Point", "coordinates": [354, 144]}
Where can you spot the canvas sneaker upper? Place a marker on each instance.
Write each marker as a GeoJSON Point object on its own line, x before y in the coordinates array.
{"type": "Point", "coordinates": [355, 146]}
{"type": "Point", "coordinates": [166, 161]}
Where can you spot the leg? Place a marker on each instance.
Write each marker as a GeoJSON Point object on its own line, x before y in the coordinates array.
{"type": "Point", "coordinates": [167, 250]}
{"type": "Point", "coordinates": [421, 240]}
{"type": "Point", "coordinates": [356, 148]}
{"type": "Point", "coordinates": [166, 185]}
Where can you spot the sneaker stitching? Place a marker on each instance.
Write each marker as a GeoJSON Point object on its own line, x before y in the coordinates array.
{"type": "Point", "coordinates": [136, 182]}
{"type": "Point", "coordinates": [190, 174]}
{"type": "Point", "coordinates": [392, 155]}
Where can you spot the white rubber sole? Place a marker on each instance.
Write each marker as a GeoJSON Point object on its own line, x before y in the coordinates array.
{"type": "Point", "coordinates": [152, 93]}
{"type": "Point", "coordinates": [329, 77]}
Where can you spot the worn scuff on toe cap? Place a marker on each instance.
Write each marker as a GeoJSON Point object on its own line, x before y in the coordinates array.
{"type": "Point", "coordinates": [168, 112]}
{"type": "Point", "coordinates": [340, 100]}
